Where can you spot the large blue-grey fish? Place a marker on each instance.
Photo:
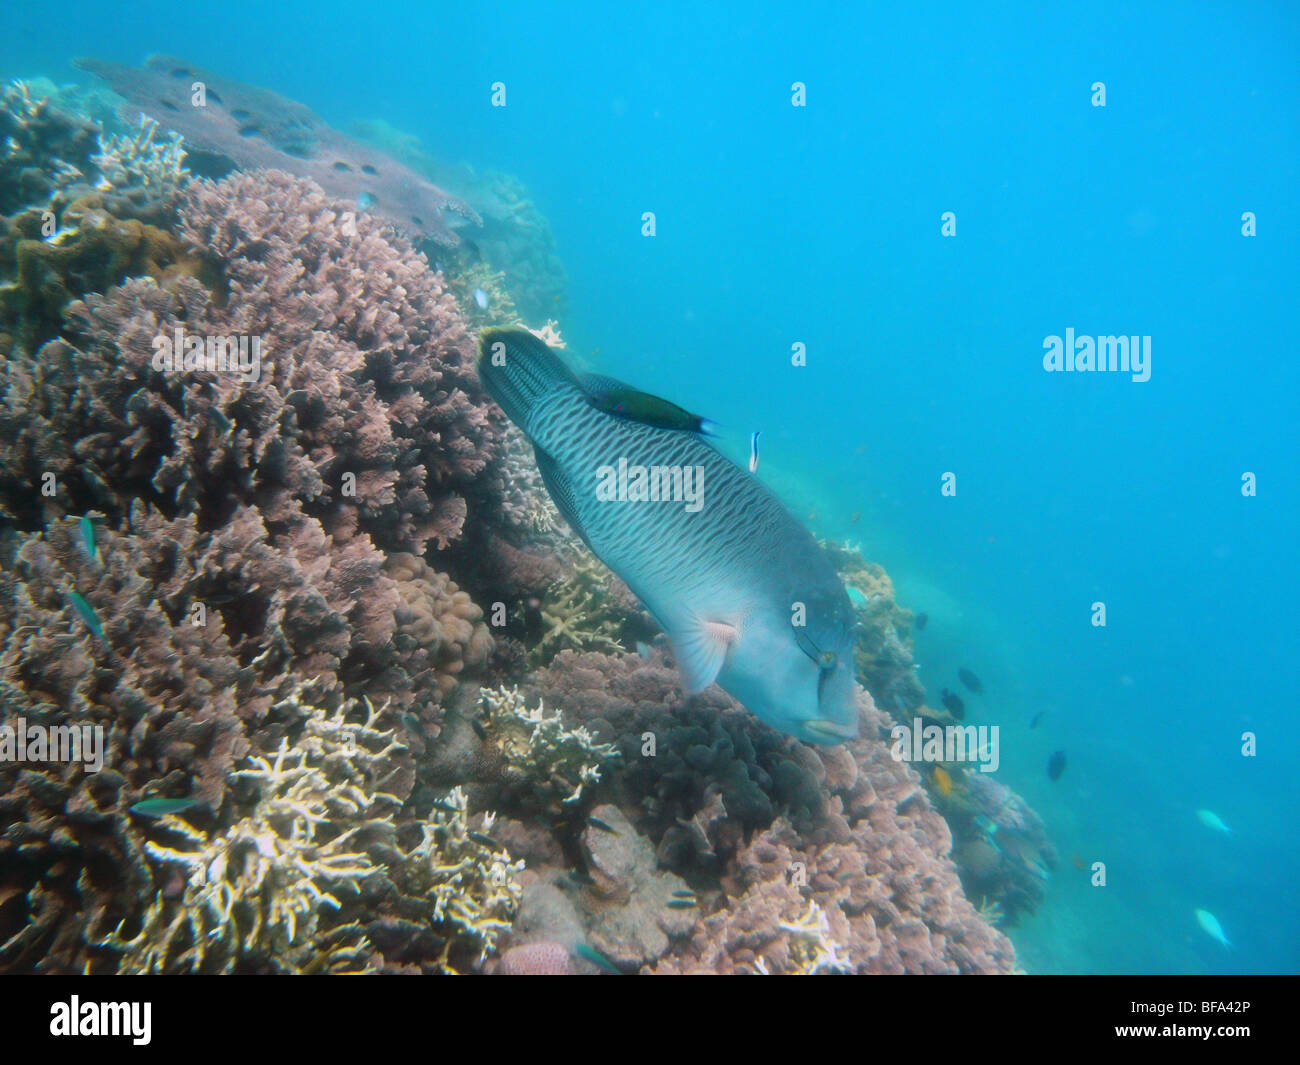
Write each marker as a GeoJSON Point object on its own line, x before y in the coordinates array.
{"type": "Point", "coordinates": [746, 596]}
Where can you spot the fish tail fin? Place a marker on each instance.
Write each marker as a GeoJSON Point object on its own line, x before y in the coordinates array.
{"type": "Point", "coordinates": [517, 369]}
{"type": "Point", "coordinates": [708, 427]}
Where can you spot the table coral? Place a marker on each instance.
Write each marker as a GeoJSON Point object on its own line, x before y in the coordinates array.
{"type": "Point", "coordinates": [249, 127]}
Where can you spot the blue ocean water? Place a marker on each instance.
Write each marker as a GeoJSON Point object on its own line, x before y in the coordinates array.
{"type": "Point", "coordinates": [821, 225]}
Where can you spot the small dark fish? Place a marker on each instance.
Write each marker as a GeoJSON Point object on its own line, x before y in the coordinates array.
{"type": "Point", "coordinates": [970, 680]}
{"type": "Point", "coordinates": [1056, 765]}
{"type": "Point", "coordinates": [596, 822]}
{"type": "Point", "coordinates": [596, 958]}
{"type": "Point", "coordinates": [444, 806]}
{"type": "Point", "coordinates": [1033, 721]}
{"type": "Point", "coordinates": [87, 614]}
{"type": "Point", "coordinates": [413, 723]}
{"type": "Point", "coordinates": [479, 730]}
{"type": "Point", "coordinates": [681, 904]}
{"type": "Point", "coordinates": [614, 397]}
{"type": "Point", "coordinates": [953, 704]}
{"type": "Point", "coordinates": [684, 894]}
{"type": "Point", "coordinates": [920, 621]}
{"type": "Point", "coordinates": [486, 841]}
{"type": "Point", "coordinates": [162, 807]}
{"type": "Point", "coordinates": [753, 452]}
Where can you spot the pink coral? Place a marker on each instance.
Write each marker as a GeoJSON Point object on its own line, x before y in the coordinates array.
{"type": "Point", "coordinates": [536, 959]}
{"type": "Point", "coordinates": [847, 828]}
{"type": "Point", "coordinates": [365, 345]}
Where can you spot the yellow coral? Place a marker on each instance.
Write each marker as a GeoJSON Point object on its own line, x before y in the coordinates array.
{"type": "Point", "coordinates": [258, 889]}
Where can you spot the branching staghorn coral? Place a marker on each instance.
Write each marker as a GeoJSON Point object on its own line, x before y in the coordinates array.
{"type": "Point", "coordinates": [470, 879]}
{"type": "Point", "coordinates": [555, 761]}
{"type": "Point", "coordinates": [142, 160]}
{"type": "Point", "coordinates": [262, 892]}
{"type": "Point", "coordinates": [583, 611]}
{"type": "Point", "coordinates": [883, 655]}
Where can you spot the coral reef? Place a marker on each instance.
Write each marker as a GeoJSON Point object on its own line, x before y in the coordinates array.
{"type": "Point", "coordinates": [628, 907]}
{"type": "Point", "coordinates": [779, 825]}
{"type": "Point", "coordinates": [439, 628]}
{"type": "Point", "coordinates": [470, 878]}
{"type": "Point", "coordinates": [89, 251]}
{"type": "Point", "coordinates": [1001, 846]}
{"type": "Point", "coordinates": [265, 584]}
{"type": "Point", "coordinates": [255, 895]}
{"type": "Point", "coordinates": [884, 651]}
{"type": "Point", "coordinates": [551, 763]}
{"type": "Point", "coordinates": [143, 168]}
{"type": "Point", "coordinates": [247, 127]}
{"type": "Point", "coordinates": [43, 147]}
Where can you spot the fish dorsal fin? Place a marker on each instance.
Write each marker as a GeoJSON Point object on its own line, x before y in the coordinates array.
{"type": "Point", "coordinates": [701, 648]}
{"type": "Point", "coordinates": [561, 489]}
{"type": "Point", "coordinates": [595, 382]}
{"type": "Point", "coordinates": [603, 392]}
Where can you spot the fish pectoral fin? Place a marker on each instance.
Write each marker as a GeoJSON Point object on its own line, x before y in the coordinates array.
{"type": "Point", "coordinates": [561, 489]}
{"type": "Point", "coordinates": [701, 648]}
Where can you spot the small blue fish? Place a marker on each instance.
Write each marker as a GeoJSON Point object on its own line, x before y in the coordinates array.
{"type": "Point", "coordinates": [481, 298]}
{"type": "Point", "coordinates": [1211, 927]}
{"type": "Point", "coordinates": [643, 649]}
{"type": "Point", "coordinates": [1212, 821]}
{"type": "Point", "coordinates": [856, 597]}
{"type": "Point", "coordinates": [596, 958]}
{"type": "Point", "coordinates": [753, 453]}
{"type": "Point", "coordinates": [88, 544]}
{"type": "Point", "coordinates": [365, 201]}
{"type": "Point", "coordinates": [87, 614]}
{"type": "Point", "coordinates": [162, 807]}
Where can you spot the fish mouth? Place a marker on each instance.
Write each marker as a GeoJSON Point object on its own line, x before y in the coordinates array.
{"type": "Point", "coordinates": [830, 730]}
